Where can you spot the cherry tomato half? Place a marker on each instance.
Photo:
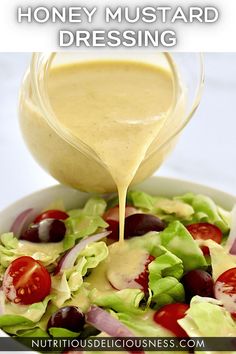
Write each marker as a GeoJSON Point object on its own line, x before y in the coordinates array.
{"type": "Point", "coordinates": [225, 290]}
{"type": "Point", "coordinates": [26, 281]}
{"type": "Point", "coordinates": [168, 315]}
{"type": "Point", "coordinates": [205, 231]}
{"type": "Point", "coordinates": [51, 214]}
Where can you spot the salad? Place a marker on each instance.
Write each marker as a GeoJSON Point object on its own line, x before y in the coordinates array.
{"type": "Point", "coordinates": [63, 273]}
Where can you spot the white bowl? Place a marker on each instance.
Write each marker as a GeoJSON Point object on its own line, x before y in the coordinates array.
{"type": "Point", "coordinates": [72, 198]}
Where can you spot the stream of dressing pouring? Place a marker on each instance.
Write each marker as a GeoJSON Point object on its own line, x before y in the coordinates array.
{"type": "Point", "coordinates": [116, 108]}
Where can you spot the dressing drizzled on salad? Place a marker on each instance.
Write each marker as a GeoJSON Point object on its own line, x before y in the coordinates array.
{"type": "Point", "coordinates": [63, 273]}
{"type": "Point", "coordinates": [116, 108]}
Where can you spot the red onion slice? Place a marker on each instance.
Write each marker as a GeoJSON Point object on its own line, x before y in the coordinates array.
{"type": "Point", "coordinates": [233, 248]}
{"type": "Point", "coordinates": [22, 221]}
{"type": "Point", "coordinates": [1, 308]}
{"type": "Point", "coordinates": [231, 242]}
{"type": "Point", "coordinates": [105, 322]}
{"type": "Point", "coordinates": [68, 260]}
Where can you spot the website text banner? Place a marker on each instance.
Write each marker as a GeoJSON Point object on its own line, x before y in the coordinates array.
{"type": "Point", "coordinates": [131, 344]}
{"type": "Point", "coordinates": [73, 24]}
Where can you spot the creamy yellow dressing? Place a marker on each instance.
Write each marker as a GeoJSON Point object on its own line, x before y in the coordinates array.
{"type": "Point", "coordinates": [47, 253]}
{"type": "Point", "coordinates": [119, 271]}
{"type": "Point", "coordinates": [125, 265]}
{"type": "Point", "coordinates": [116, 108]}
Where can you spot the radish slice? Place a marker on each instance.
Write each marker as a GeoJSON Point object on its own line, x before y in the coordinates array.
{"type": "Point", "coordinates": [68, 260]}
{"type": "Point", "coordinates": [231, 242]}
{"type": "Point", "coordinates": [22, 221]}
{"type": "Point", "coordinates": [105, 322]}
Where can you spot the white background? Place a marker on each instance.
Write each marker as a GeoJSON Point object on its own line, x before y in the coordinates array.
{"type": "Point", "coordinates": [206, 152]}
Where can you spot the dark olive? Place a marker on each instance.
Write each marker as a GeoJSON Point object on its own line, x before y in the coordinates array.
{"type": "Point", "coordinates": [140, 224]}
{"type": "Point", "coordinates": [47, 230]}
{"type": "Point", "coordinates": [197, 282]}
{"type": "Point", "coordinates": [69, 317]}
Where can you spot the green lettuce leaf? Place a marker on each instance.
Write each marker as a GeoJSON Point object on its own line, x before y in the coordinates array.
{"type": "Point", "coordinates": [169, 291]}
{"type": "Point", "coordinates": [206, 317]}
{"type": "Point", "coordinates": [84, 225]}
{"type": "Point", "coordinates": [11, 248]}
{"type": "Point", "coordinates": [172, 209]}
{"type": "Point", "coordinates": [141, 200]}
{"type": "Point", "coordinates": [62, 333]}
{"type": "Point", "coordinates": [8, 241]}
{"type": "Point", "coordinates": [221, 259]}
{"type": "Point", "coordinates": [143, 326]}
{"type": "Point", "coordinates": [94, 206]}
{"type": "Point", "coordinates": [60, 289]}
{"type": "Point", "coordinates": [18, 319]}
{"type": "Point", "coordinates": [127, 300]}
{"type": "Point", "coordinates": [165, 208]}
{"type": "Point", "coordinates": [81, 226]}
{"type": "Point", "coordinates": [8, 246]}
{"type": "Point", "coordinates": [80, 298]}
{"type": "Point", "coordinates": [14, 320]}
{"type": "Point", "coordinates": [67, 284]}
{"type": "Point", "coordinates": [188, 208]}
{"type": "Point", "coordinates": [206, 210]}
{"type": "Point", "coordinates": [148, 242]}
{"type": "Point", "coordinates": [164, 273]}
{"type": "Point", "coordinates": [176, 239]}
{"type": "Point", "coordinates": [34, 333]}
{"type": "Point", "coordinates": [32, 312]}
{"type": "Point", "coordinates": [85, 221]}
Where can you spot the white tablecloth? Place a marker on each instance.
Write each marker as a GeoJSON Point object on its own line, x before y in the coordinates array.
{"type": "Point", "coordinates": [206, 152]}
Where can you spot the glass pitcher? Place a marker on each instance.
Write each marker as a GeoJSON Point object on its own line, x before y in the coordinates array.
{"type": "Point", "coordinates": [70, 161]}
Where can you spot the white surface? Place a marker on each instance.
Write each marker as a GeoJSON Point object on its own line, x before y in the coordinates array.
{"type": "Point", "coordinates": [206, 152]}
